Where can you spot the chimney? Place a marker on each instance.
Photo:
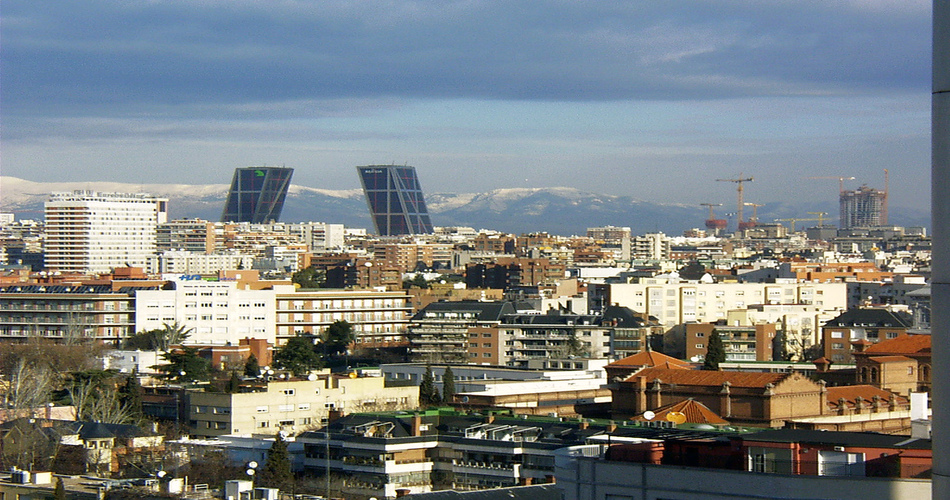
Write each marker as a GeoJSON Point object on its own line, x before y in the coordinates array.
{"type": "Point", "coordinates": [525, 481]}
{"type": "Point", "coordinates": [490, 418]}
{"type": "Point", "coordinates": [550, 479]}
{"type": "Point", "coordinates": [612, 426]}
{"type": "Point", "coordinates": [583, 425]}
{"type": "Point", "coordinates": [401, 492]}
{"type": "Point", "coordinates": [416, 424]}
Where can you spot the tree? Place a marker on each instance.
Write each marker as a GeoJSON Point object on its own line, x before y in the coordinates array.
{"type": "Point", "coordinates": [310, 277]}
{"type": "Point", "coordinates": [276, 472]}
{"type": "Point", "coordinates": [338, 337]}
{"type": "Point", "coordinates": [428, 394]}
{"type": "Point", "coordinates": [715, 352]}
{"type": "Point", "coordinates": [234, 383]}
{"type": "Point", "coordinates": [130, 395]}
{"type": "Point", "coordinates": [417, 281]}
{"type": "Point", "coordinates": [448, 385]}
{"type": "Point", "coordinates": [159, 339]}
{"type": "Point", "coordinates": [252, 368]}
{"type": "Point", "coordinates": [298, 356]}
{"type": "Point", "coordinates": [184, 365]}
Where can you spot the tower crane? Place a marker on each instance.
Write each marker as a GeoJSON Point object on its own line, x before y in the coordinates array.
{"type": "Point", "coordinates": [821, 217]}
{"type": "Point", "coordinates": [738, 182]}
{"type": "Point", "coordinates": [793, 221]}
{"type": "Point", "coordinates": [840, 180]}
{"type": "Point", "coordinates": [752, 220]}
{"type": "Point", "coordinates": [712, 222]}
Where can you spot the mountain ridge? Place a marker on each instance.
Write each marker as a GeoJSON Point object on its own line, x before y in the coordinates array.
{"type": "Point", "coordinates": [556, 210]}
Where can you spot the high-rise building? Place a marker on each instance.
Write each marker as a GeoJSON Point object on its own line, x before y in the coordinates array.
{"type": "Point", "coordinates": [257, 194]}
{"type": "Point", "coordinates": [395, 200]}
{"type": "Point", "coordinates": [863, 207]}
{"type": "Point", "coordinates": [90, 232]}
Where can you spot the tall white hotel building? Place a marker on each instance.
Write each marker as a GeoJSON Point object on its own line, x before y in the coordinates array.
{"type": "Point", "coordinates": [91, 232]}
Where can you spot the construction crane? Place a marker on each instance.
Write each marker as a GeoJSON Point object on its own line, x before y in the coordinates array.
{"type": "Point", "coordinates": [821, 217]}
{"type": "Point", "coordinates": [738, 182]}
{"type": "Point", "coordinates": [752, 220]}
{"type": "Point", "coordinates": [793, 221]}
{"type": "Point", "coordinates": [840, 180]}
{"type": "Point", "coordinates": [712, 222]}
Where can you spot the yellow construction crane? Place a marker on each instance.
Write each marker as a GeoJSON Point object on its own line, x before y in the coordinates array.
{"type": "Point", "coordinates": [821, 217]}
{"type": "Point", "coordinates": [738, 182]}
{"type": "Point", "coordinates": [755, 211]}
{"type": "Point", "coordinates": [793, 221]}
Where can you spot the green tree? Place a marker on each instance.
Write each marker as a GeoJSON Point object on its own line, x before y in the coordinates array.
{"type": "Point", "coordinates": [310, 277]}
{"type": "Point", "coordinates": [60, 492]}
{"type": "Point", "coordinates": [298, 356]}
{"type": "Point", "coordinates": [184, 365]}
{"type": "Point", "coordinates": [160, 339]}
{"type": "Point", "coordinates": [130, 395]}
{"type": "Point", "coordinates": [276, 472]}
{"type": "Point", "coordinates": [252, 367]}
{"type": "Point", "coordinates": [428, 394]}
{"type": "Point", "coordinates": [448, 385]}
{"type": "Point", "coordinates": [337, 338]}
{"type": "Point", "coordinates": [417, 281]}
{"type": "Point", "coordinates": [234, 383]}
{"type": "Point", "coordinates": [715, 352]}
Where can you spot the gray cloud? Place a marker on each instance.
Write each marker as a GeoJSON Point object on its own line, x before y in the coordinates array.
{"type": "Point", "coordinates": [62, 56]}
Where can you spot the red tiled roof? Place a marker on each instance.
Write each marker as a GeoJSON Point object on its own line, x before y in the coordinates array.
{"type": "Point", "coordinates": [851, 392]}
{"type": "Point", "coordinates": [888, 359]}
{"type": "Point", "coordinates": [695, 412]}
{"type": "Point", "coordinates": [904, 344]}
{"type": "Point", "coordinates": [650, 358]}
{"type": "Point", "coordinates": [709, 377]}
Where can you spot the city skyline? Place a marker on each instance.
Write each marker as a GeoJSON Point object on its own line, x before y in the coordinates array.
{"type": "Point", "coordinates": [649, 101]}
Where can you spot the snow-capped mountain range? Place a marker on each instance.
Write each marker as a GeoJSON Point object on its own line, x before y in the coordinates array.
{"type": "Point", "coordinates": [558, 210]}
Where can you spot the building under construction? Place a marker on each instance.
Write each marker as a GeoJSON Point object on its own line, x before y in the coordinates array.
{"type": "Point", "coordinates": [863, 207]}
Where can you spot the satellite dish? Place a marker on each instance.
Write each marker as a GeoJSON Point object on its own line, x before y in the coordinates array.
{"type": "Point", "coordinates": [676, 417]}
{"type": "Point", "coordinates": [464, 399]}
{"type": "Point", "coordinates": [649, 415]}
{"type": "Point", "coordinates": [311, 377]}
{"type": "Point", "coordinates": [250, 472]}
{"type": "Point", "coordinates": [694, 359]}
{"type": "Point", "coordinates": [252, 465]}
{"type": "Point", "coordinates": [161, 474]}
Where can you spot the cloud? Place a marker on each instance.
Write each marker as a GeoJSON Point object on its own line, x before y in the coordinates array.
{"type": "Point", "coordinates": [119, 55]}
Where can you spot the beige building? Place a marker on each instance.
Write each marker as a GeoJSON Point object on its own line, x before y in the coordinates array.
{"type": "Point", "coordinates": [379, 318]}
{"type": "Point", "coordinates": [674, 303]}
{"type": "Point", "coordinates": [293, 405]}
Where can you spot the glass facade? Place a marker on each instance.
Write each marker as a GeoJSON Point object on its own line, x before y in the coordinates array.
{"type": "Point", "coordinates": [395, 200]}
{"type": "Point", "coordinates": [257, 194]}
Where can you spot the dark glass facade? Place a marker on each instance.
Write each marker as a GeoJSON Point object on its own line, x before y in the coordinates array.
{"type": "Point", "coordinates": [395, 200]}
{"type": "Point", "coordinates": [257, 194]}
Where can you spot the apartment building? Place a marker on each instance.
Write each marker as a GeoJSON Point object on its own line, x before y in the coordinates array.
{"type": "Point", "coordinates": [379, 318]}
{"type": "Point", "coordinates": [68, 312]}
{"type": "Point", "coordinates": [92, 232]}
{"type": "Point", "coordinates": [741, 343]}
{"type": "Point", "coordinates": [441, 332]}
{"type": "Point", "coordinates": [674, 303]}
{"type": "Point", "coordinates": [293, 405]}
{"type": "Point", "coordinates": [217, 312]}
{"type": "Point", "coordinates": [855, 329]}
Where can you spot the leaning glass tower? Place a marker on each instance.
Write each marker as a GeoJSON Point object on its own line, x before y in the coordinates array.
{"type": "Point", "coordinates": [395, 200]}
{"type": "Point", "coordinates": [257, 194]}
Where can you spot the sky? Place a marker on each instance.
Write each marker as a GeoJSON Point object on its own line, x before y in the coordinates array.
{"type": "Point", "coordinates": [649, 99]}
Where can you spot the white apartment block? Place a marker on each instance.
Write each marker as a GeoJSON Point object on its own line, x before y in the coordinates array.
{"type": "Point", "coordinates": [217, 311]}
{"type": "Point", "coordinates": [379, 318]}
{"type": "Point", "coordinates": [652, 246]}
{"type": "Point", "coordinates": [185, 262]}
{"type": "Point", "coordinates": [677, 303]}
{"type": "Point", "coordinates": [91, 232]}
{"type": "Point", "coordinates": [294, 405]}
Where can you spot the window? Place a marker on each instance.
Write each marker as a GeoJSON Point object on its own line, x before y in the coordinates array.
{"type": "Point", "coordinates": [262, 409]}
{"type": "Point", "coordinates": [285, 423]}
{"type": "Point", "coordinates": [283, 408]}
{"type": "Point", "coordinates": [486, 354]}
{"type": "Point", "coordinates": [303, 406]}
{"type": "Point", "coordinates": [837, 345]}
{"type": "Point", "coordinates": [700, 346]}
{"type": "Point", "coordinates": [700, 334]}
{"type": "Point", "coordinates": [263, 424]}
{"type": "Point", "coordinates": [288, 392]}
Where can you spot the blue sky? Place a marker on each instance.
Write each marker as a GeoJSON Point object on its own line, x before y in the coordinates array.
{"type": "Point", "coordinates": [654, 100]}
